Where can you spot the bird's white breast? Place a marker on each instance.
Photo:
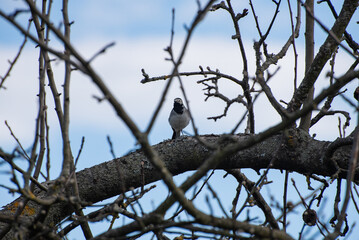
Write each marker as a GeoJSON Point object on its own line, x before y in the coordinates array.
{"type": "Point", "coordinates": [179, 121]}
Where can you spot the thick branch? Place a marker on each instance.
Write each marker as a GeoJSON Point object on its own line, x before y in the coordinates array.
{"type": "Point", "coordinates": [302, 154]}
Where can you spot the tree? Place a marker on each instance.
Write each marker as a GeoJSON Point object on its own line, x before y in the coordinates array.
{"type": "Point", "coordinates": [42, 207]}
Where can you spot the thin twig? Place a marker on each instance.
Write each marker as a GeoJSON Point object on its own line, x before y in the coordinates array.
{"type": "Point", "coordinates": [111, 146]}
{"type": "Point", "coordinates": [101, 51]}
{"type": "Point", "coordinates": [18, 142]}
{"type": "Point", "coordinates": [285, 200]}
{"type": "Point", "coordinates": [12, 63]}
{"type": "Point", "coordinates": [80, 150]}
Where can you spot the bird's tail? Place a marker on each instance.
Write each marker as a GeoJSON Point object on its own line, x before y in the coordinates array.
{"type": "Point", "coordinates": [175, 134]}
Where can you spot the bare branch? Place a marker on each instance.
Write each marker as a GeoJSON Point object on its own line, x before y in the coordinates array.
{"type": "Point", "coordinates": [13, 62]}
{"type": "Point", "coordinates": [325, 52]}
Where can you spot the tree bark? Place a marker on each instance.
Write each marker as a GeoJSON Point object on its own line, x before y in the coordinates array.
{"type": "Point", "coordinates": [292, 150]}
{"type": "Point", "coordinates": [309, 56]}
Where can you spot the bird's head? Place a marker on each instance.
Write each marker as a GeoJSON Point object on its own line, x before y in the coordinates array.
{"type": "Point", "coordinates": [178, 100]}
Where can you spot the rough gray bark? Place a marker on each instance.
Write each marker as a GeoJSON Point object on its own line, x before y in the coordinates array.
{"type": "Point", "coordinates": [292, 150]}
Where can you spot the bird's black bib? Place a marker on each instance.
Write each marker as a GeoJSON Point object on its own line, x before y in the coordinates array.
{"type": "Point", "coordinates": [178, 107]}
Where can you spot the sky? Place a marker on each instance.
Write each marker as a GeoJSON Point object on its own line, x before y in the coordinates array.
{"type": "Point", "coordinates": [141, 31]}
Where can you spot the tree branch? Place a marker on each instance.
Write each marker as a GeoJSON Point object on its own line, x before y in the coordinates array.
{"type": "Point", "coordinates": [104, 180]}
{"type": "Point", "coordinates": [325, 52]}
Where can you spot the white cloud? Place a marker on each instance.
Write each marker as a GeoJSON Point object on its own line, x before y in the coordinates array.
{"type": "Point", "coordinates": [120, 68]}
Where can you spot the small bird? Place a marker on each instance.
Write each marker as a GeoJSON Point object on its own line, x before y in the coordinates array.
{"type": "Point", "coordinates": [179, 117]}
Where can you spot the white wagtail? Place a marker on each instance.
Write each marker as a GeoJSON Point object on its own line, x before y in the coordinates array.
{"type": "Point", "coordinates": [179, 117]}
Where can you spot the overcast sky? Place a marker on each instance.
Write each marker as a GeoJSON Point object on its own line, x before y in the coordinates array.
{"type": "Point", "coordinates": [141, 30]}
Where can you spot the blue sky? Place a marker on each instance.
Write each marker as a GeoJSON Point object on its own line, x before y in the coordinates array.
{"type": "Point", "coordinates": [141, 30]}
{"type": "Point", "coordinates": [141, 18]}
